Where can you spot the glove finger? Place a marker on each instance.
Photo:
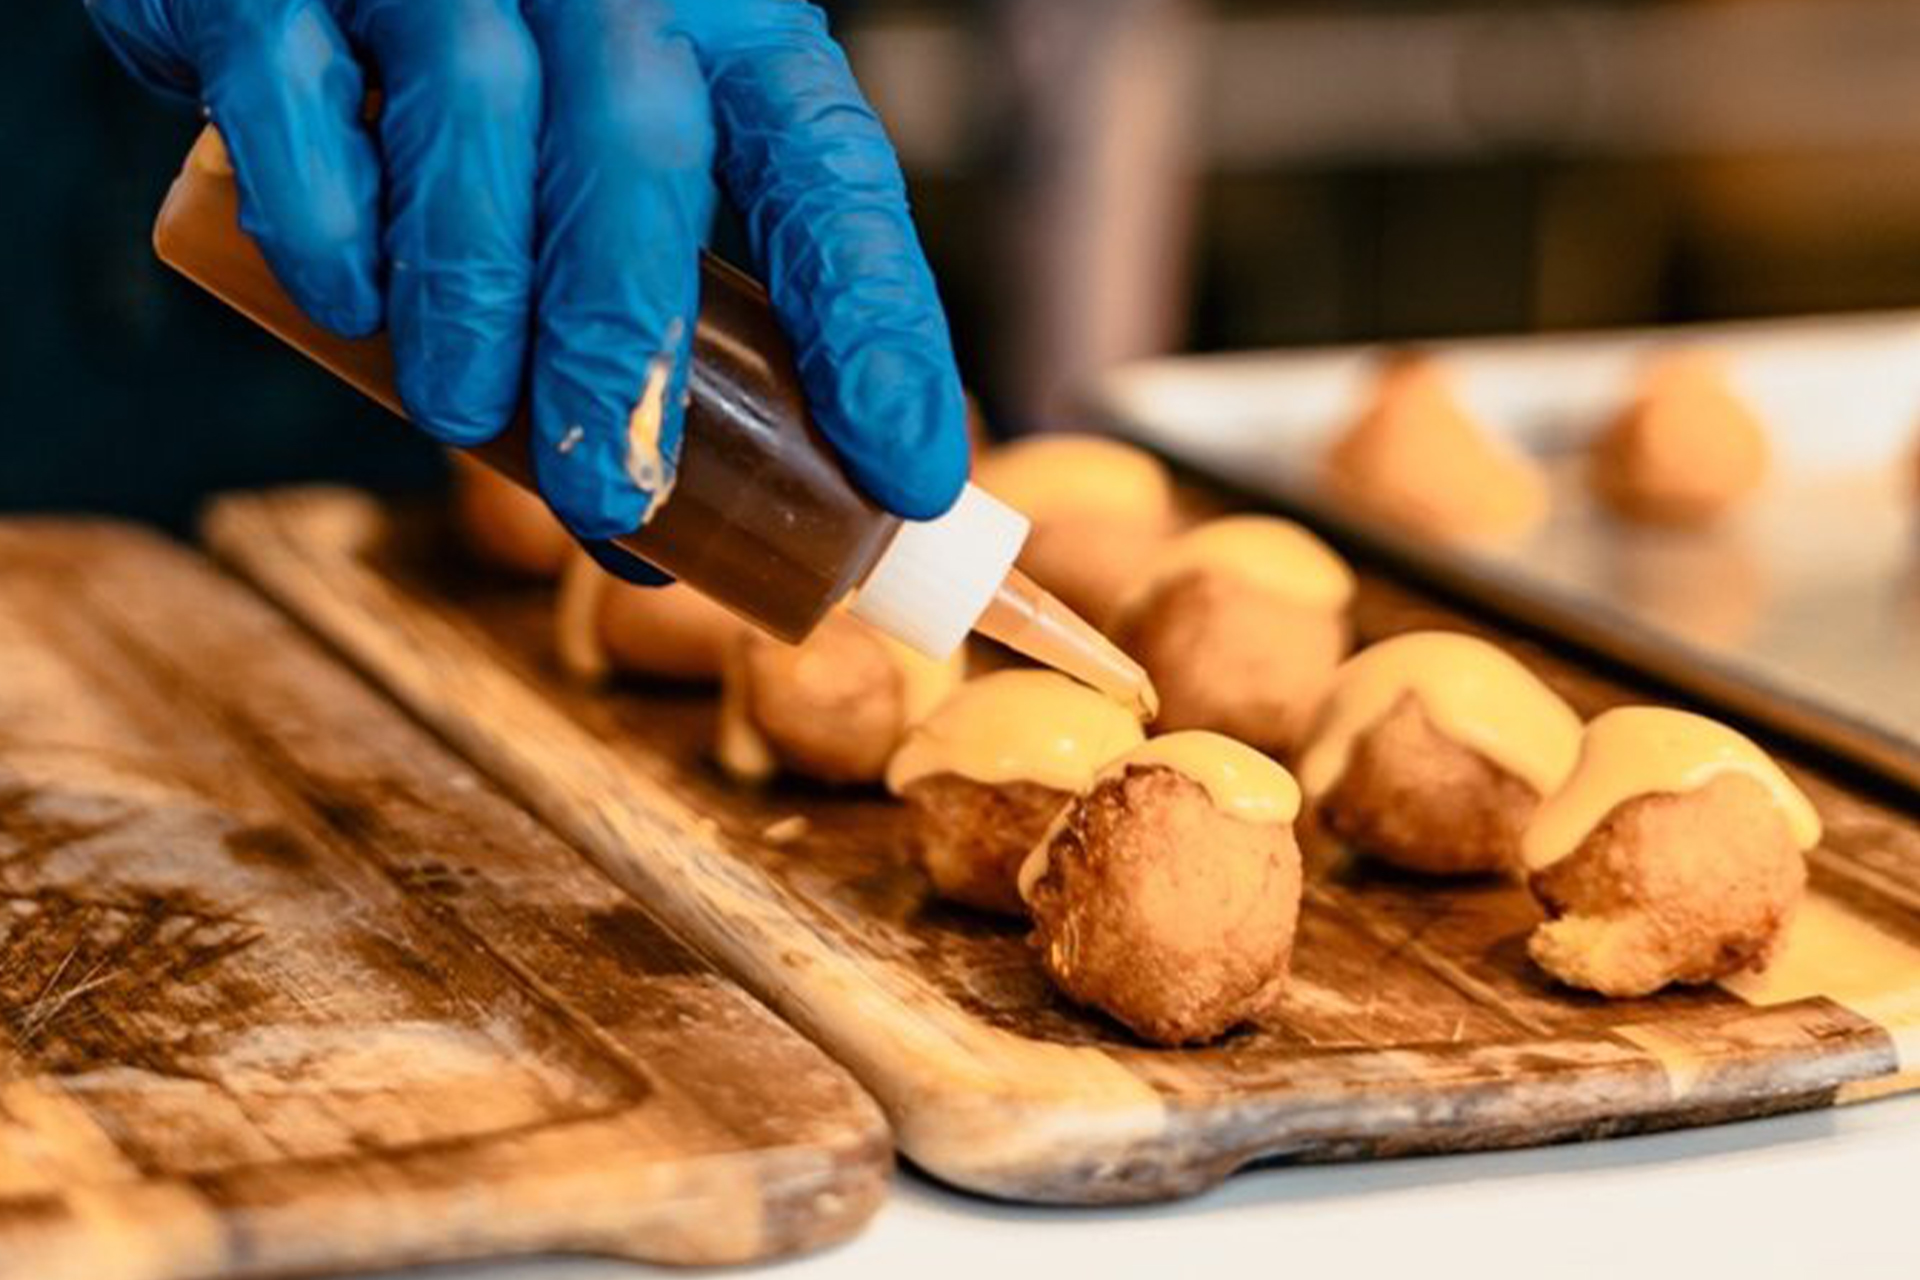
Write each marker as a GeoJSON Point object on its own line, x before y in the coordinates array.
{"type": "Point", "coordinates": [807, 162]}
{"type": "Point", "coordinates": [624, 198]}
{"type": "Point", "coordinates": [459, 127]}
{"type": "Point", "coordinates": [278, 80]}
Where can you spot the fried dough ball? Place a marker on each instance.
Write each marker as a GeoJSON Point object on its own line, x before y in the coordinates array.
{"type": "Point", "coordinates": [603, 625]}
{"type": "Point", "coordinates": [1098, 508]}
{"type": "Point", "coordinates": [504, 525]}
{"type": "Point", "coordinates": [1416, 799]}
{"type": "Point", "coordinates": [988, 771]}
{"type": "Point", "coordinates": [671, 631]}
{"type": "Point", "coordinates": [1240, 622]}
{"type": "Point", "coordinates": [1432, 752]}
{"type": "Point", "coordinates": [1686, 452]}
{"type": "Point", "coordinates": [1674, 854]}
{"type": "Point", "coordinates": [1168, 894]}
{"type": "Point", "coordinates": [973, 836]}
{"type": "Point", "coordinates": [1416, 459]}
{"type": "Point", "coordinates": [833, 708]}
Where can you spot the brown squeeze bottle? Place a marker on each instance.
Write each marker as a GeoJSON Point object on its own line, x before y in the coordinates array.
{"type": "Point", "coordinates": [760, 516]}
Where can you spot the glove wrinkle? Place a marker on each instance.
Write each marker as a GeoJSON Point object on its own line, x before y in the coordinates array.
{"type": "Point", "coordinates": [459, 126]}
{"type": "Point", "coordinates": [825, 206]}
{"type": "Point", "coordinates": [625, 194]}
{"type": "Point", "coordinates": [280, 83]}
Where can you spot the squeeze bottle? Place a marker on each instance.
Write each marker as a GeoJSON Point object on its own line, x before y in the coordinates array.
{"type": "Point", "coordinates": [761, 517]}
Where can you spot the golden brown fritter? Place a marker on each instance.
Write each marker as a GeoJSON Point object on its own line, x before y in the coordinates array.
{"type": "Point", "coordinates": [831, 708]}
{"type": "Point", "coordinates": [988, 768]}
{"type": "Point", "coordinates": [1416, 459]}
{"type": "Point", "coordinates": [974, 836]}
{"type": "Point", "coordinates": [1232, 658]}
{"type": "Point", "coordinates": [1416, 799]}
{"type": "Point", "coordinates": [1671, 888]}
{"type": "Point", "coordinates": [505, 526]}
{"type": "Point", "coordinates": [1153, 905]}
{"type": "Point", "coordinates": [671, 631]}
{"type": "Point", "coordinates": [1686, 452]}
{"type": "Point", "coordinates": [603, 625]}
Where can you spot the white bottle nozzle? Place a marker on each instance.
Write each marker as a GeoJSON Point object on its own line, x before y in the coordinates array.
{"type": "Point", "coordinates": [937, 577]}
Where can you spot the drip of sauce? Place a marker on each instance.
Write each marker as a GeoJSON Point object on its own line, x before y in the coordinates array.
{"type": "Point", "coordinates": [576, 619]}
{"type": "Point", "coordinates": [1476, 694]}
{"type": "Point", "coordinates": [1640, 751]}
{"type": "Point", "coordinates": [1017, 726]}
{"type": "Point", "coordinates": [1834, 953]}
{"type": "Point", "coordinates": [1067, 474]}
{"type": "Point", "coordinates": [1238, 779]}
{"type": "Point", "coordinates": [645, 465]}
{"type": "Point", "coordinates": [1273, 556]}
{"type": "Point", "coordinates": [738, 745]}
{"type": "Point", "coordinates": [1029, 621]}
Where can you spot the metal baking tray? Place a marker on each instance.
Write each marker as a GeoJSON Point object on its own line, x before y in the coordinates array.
{"type": "Point", "coordinates": [1801, 613]}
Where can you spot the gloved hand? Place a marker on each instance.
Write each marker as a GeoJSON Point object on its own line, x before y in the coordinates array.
{"type": "Point", "coordinates": [533, 198]}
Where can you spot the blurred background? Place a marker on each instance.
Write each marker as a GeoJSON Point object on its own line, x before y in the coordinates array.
{"type": "Point", "coordinates": [1096, 180]}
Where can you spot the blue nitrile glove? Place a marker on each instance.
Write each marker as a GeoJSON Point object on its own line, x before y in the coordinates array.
{"type": "Point", "coordinates": [540, 184]}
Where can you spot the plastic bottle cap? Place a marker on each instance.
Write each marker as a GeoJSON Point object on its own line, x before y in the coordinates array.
{"type": "Point", "coordinates": [938, 576]}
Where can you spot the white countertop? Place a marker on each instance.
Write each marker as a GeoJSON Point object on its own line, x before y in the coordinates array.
{"type": "Point", "coordinates": [1814, 1197]}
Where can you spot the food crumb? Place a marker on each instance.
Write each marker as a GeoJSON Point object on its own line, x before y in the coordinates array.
{"type": "Point", "coordinates": [786, 830]}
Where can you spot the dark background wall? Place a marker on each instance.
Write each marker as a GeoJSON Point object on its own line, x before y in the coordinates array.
{"type": "Point", "coordinates": [1773, 167]}
{"type": "Point", "coordinates": [125, 389]}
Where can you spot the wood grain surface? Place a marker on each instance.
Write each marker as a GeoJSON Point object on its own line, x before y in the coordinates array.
{"type": "Point", "coordinates": [286, 987]}
{"type": "Point", "coordinates": [1416, 1023]}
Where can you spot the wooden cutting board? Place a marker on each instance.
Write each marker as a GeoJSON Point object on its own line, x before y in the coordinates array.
{"type": "Point", "coordinates": [1416, 1022]}
{"type": "Point", "coordinates": [286, 987]}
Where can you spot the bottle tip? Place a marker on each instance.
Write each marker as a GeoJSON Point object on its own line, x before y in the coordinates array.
{"type": "Point", "coordinates": [1029, 620]}
{"type": "Point", "coordinates": [1146, 699]}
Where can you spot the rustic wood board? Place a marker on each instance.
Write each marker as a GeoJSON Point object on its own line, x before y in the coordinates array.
{"type": "Point", "coordinates": [1416, 1023]}
{"type": "Point", "coordinates": [286, 987]}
